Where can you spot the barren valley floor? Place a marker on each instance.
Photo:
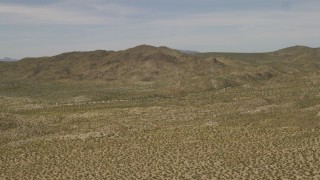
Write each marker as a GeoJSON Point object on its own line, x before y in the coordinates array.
{"type": "Point", "coordinates": [95, 131]}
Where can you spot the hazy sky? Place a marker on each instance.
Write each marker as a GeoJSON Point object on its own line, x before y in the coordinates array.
{"type": "Point", "coordinates": [49, 27]}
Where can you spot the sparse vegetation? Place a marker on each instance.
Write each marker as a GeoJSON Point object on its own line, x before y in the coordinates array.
{"type": "Point", "coordinates": [253, 128]}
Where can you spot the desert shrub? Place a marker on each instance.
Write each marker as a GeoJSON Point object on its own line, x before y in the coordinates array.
{"type": "Point", "coordinates": [7, 122]}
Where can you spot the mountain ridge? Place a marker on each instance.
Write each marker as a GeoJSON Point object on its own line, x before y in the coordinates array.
{"type": "Point", "coordinates": [145, 64]}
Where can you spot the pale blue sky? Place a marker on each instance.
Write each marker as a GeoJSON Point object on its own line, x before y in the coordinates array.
{"type": "Point", "coordinates": [47, 27]}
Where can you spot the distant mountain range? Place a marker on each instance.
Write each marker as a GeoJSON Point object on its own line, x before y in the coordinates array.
{"type": "Point", "coordinates": [8, 59]}
{"type": "Point", "coordinates": [163, 66]}
{"type": "Point", "coordinates": [188, 52]}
